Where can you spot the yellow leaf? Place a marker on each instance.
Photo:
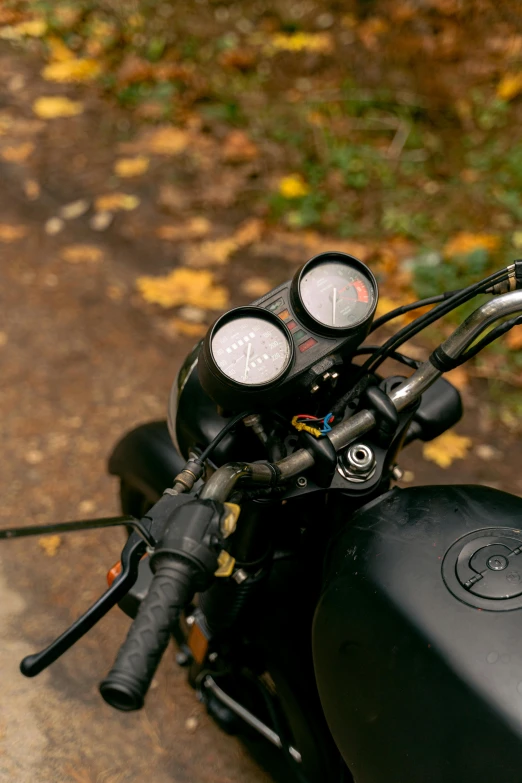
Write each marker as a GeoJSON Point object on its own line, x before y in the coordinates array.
{"type": "Point", "coordinates": [293, 186]}
{"type": "Point", "coordinates": [77, 254]}
{"type": "Point", "coordinates": [248, 232]}
{"type": "Point", "coordinates": [19, 153]}
{"type": "Point", "coordinates": [77, 70]}
{"type": "Point", "coordinates": [131, 167]}
{"type": "Point", "coordinates": [514, 338]}
{"type": "Point", "coordinates": [516, 240]}
{"type": "Point", "coordinates": [168, 141]}
{"type": "Point", "coordinates": [466, 242]}
{"type": "Point", "coordinates": [446, 448]}
{"type": "Point", "coordinates": [58, 51]}
{"type": "Point", "coordinates": [50, 107]}
{"type": "Point", "coordinates": [256, 286]}
{"type": "Point", "coordinates": [182, 287]}
{"type": "Point", "coordinates": [509, 86]}
{"type": "Point", "coordinates": [302, 42]}
{"type": "Point", "coordinates": [35, 28]}
{"type": "Point", "coordinates": [212, 252]}
{"type": "Point", "coordinates": [50, 544]}
{"type": "Point", "coordinates": [188, 329]}
{"type": "Point", "coordinates": [115, 202]}
{"type": "Point", "coordinates": [10, 233]}
{"type": "Point", "coordinates": [194, 228]}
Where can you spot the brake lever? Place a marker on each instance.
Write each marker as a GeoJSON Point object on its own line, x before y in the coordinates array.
{"type": "Point", "coordinates": [131, 555]}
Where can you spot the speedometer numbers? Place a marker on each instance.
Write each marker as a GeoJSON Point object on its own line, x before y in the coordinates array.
{"type": "Point", "coordinates": [251, 350]}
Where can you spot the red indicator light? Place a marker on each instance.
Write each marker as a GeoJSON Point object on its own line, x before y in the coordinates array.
{"type": "Point", "coordinates": [283, 315]}
{"type": "Point", "coordinates": [308, 344]}
{"type": "Point", "coordinates": [291, 325]}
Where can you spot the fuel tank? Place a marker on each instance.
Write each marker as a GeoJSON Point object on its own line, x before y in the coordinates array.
{"type": "Point", "coordinates": [417, 637]}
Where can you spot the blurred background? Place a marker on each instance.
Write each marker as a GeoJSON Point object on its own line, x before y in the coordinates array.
{"type": "Point", "coordinates": [159, 163]}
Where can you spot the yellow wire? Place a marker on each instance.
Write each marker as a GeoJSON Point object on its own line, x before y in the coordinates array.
{"type": "Point", "coordinates": [300, 425]}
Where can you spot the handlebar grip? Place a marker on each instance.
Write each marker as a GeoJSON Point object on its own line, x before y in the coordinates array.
{"type": "Point", "coordinates": [171, 589]}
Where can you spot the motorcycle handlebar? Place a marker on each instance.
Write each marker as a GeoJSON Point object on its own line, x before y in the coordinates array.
{"type": "Point", "coordinates": [129, 679]}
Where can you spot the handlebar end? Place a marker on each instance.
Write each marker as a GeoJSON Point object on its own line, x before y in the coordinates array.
{"type": "Point", "coordinates": [121, 693]}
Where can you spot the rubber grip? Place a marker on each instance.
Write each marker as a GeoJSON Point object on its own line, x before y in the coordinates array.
{"type": "Point", "coordinates": [128, 681]}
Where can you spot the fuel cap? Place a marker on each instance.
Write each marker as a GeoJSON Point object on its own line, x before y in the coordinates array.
{"type": "Point", "coordinates": [484, 568]}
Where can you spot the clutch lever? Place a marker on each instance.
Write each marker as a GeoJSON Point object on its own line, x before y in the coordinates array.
{"type": "Point", "coordinates": [131, 555]}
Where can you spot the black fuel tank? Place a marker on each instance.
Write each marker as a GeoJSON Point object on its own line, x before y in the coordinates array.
{"type": "Point", "coordinates": [418, 637]}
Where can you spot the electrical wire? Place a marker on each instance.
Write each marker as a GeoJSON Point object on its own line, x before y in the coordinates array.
{"type": "Point", "coordinates": [399, 357]}
{"type": "Point", "coordinates": [408, 308]}
{"type": "Point", "coordinates": [221, 434]}
{"type": "Point", "coordinates": [490, 337]}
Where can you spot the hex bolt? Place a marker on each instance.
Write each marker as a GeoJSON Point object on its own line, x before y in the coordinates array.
{"type": "Point", "coordinates": [397, 473]}
{"type": "Point", "coordinates": [302, 482]}
{"type": "Point", "coordinates": [357, 464]}
{"type": "Point", "coordinates": [240, 576]}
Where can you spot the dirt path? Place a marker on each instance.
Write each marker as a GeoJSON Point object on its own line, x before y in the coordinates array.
{"type": "Point", "coordinates": [81, 363]}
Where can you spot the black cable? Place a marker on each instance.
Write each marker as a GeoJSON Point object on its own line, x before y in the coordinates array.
{"type": "Point", "coordinates": [407, 308]}
{"type": "Point", "coordinates": [221, 434]}
{"type": "Point", "coordinates": [399, 357]}
{"type": "Point", "coordinates": [490, 337]}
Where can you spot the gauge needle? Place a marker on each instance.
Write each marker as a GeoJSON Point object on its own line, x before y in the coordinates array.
{"type": "Point", "coordinates": [249, 351]}
{"type": "Point", "coordinates": [334, 303]}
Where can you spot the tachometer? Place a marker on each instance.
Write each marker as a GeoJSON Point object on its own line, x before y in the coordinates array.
{"type": "Point", "coordinates": [334, 292]}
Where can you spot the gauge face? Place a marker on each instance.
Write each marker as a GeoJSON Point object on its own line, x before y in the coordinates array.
{"type": "Point", "coordinates": [337, 294]}
{"type": "Point", "coordinates": [251, 350]}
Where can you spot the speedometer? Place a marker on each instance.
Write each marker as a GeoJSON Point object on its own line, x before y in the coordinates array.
{"type": "Point", "coordinates": [246, 355]}
{"type": "Point", "coordinates": [335, 292]}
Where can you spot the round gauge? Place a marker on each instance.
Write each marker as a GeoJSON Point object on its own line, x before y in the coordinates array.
{"type": "Point", "coordinates": [336, 291]}
{"type": "Point", "coordinates": [251, 350]}
{"type": "Point", "coordinates": [245, 358]}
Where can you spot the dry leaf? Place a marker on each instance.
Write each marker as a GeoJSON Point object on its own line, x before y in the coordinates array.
{"type": "Point", "coordinates": [19, 153]}
{"type": "Point", "coordinates": [218, 251]}
{"type": "Point", "coordinates": [182, 287]}
{"type": "Point", "coordinates": [31, 189]}
{"type": "Point", "coordinates": [114, 202]}
{"type": "Point", "coordinates": [35, 28]}
{"type": "Point", "coordinates": [75, 209]}
{"type": "Point", "coordinates": [10, 233]}
{"type": "Point", "coordinates": [194, 228]}
{"type": "Point", "coordinates": [168, 141]}
{"type": "Point", "coordinates": [301, 42]}
{"type": "Point", "coordinates": [293, 186]}
{"type": "Point", "coordinates": [53, 226]}
{"type": "Point", "coordinates": [238, 148]}
{"type": "Point", "coordinates": [78, 254]}
{"type": "Point", "coordinates": [51, 107]}
{"type": "Point", "coordinates": [77, 70]}
{"type": "Point", "coordinates": [514, 338]}
{"type": "Point", "coordinates": [256, 286]}
{"type": "Point", "coordinates": [188, 329]}
{"type": "Point", "coordinates": [58, 51]}
{"type": "Point", "coordinates": [509, 86]}
{"type": "Point", "coordinates": [248, 232]}
{"type": "Point", "coordinates": [446, 448]}
{"type": "Point", "coordinates": [131, 167]}
{"type": "Point", "coordinates": [466, 242]}
{"type": "Point", "coordinates": [50, 544]}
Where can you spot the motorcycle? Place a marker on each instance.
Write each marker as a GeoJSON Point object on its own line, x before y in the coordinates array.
{"type": "Point", "coordinates": [365, 631]}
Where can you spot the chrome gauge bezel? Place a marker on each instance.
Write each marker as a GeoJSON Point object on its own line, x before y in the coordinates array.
{"type": "Point", "coordinates": [307, 317]}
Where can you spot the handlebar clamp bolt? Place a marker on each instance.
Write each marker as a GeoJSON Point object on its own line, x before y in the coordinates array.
{"type": "Point", "coordinates": [301, 482]}
{"type": "Point", "coordinates": [358, 463]}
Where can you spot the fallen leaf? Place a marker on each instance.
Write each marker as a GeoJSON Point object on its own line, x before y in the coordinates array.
{"type": "Point", "coordinates": [101, 221]}
{"type": "Point", "coordinates": [77, 70]}
{"type": "Point", "coordinates": [193, 314]}
{"type": "Point", "coordinates": [168, 141]}
{"type": "Point", "coordinates": [238, 148]}
{"type": "Point", "coordinates": [248, 232]}
{"type": "Point", "coordinates": [194, 228]}
{"type": "Point", "coordinates": [78, 254]}
{"type": "Point", "coordinates": [51, 107]}
{"type": "Point", "coordinates": [239, 59]}
{"type": "Point", "coordinates": [446, 448]}
{"type": "Point", "coordinates": [115, 202]}
{"type": "Point", "coordinates": [188, 329]}
{"type": "Point", "coordinates": [256, 286]}
{"type": "Point", "coordinates": [134, 70]}
{"type": "Point", "coordinates": [293, 186]}
{"type": "Point", "coordinates": [50, 544]}
{"type": "Point", "coordinates": [182, 287]}
{"type": "Point", "coordinates": [487, 453]}
{"type": "Point", "coordinates": [19, 153]}
{"type": "Point", "coordinates": [509, 86]}
{"type": "Point", "coordinates": [131, 167]}
{"type": "Point", "coordinates": [371, 30]}
{"type": "Point", "coordinates": [34, 28]}
{"type": "Point", "coordinates": [54, 225]}
{"type": "Point", "coordinates": [466, 242]}
{"type": "Point", "coordinates": [75, 209]}
{"type": "Point", "coordinates": [58, 51]}
{"type": "Point", "coordinates": [301, 42]}
{"type": "Point", "coordinates": [514, 338]}
{"type": "Point", "coordinates": [31, 189]}
{"type": "Point", "coordinates": [10, 233]}
{"type": "Point", "coordinates": [218, 251]}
